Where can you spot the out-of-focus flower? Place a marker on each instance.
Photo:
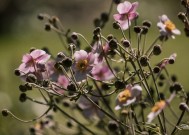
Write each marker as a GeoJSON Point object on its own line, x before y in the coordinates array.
{"type": "Point", "coordinates": [158, 107]}
{"type": "Point", "coordinates": [30, 61]}
{"type": "Point", "coordinates": [128, 96]}
{"type": "Point", "coordinates": [102, 72]}
{"type": "Point", "coordinates": [89, 110]}
{"type": "Point", "coordinates": [100, 50]}
{"type": "Point", "coordinates": [167, 28]}
{"type": "Point", "coordinates": [62, 81]}
{"type": "Point", "coordinates": [126, 13]}
{"type": "Point", "coordinates": [83, 64]}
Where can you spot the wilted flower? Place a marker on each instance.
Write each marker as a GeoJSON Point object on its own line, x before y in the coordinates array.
{"type": "Point", "coordinates": [30, 61]}
{"type": "Point", "coordinates": [126, 13]}
{"type": "Point", "coordinates": [128, 96]}
{"type": "Point", "coordinates": [102, 72]}
{"type": "Point", "coordinates": [83, 64]}
{"type": "Point", "coordinates": [167, 28]}
{"type": "Point", "coordinates": [89, 110]}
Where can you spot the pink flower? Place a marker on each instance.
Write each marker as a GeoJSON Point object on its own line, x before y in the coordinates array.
{"type": "Point", "coordinates": [126, 13]}
{"type": "Point", "coordinates": [63, 81]}
{"type": "Point", "coordinates": [83, 64]}
{"type": "Point", "coordinates": [167, 28]}
{"type": "Point", "coordinates": [102, 72]}
{"type": "Point", "coordinates": [30, 61]}
{"type": "Point", "coordinates": [128, 96]}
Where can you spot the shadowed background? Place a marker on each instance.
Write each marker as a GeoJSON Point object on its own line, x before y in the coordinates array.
{"type": "Point", "coordinates": [20, 30]}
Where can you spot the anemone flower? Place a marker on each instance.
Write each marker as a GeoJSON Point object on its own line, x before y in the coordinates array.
{"type": "Point", "coordinates": [167, 28]}
{"type": "Point", "coordinates": [102, 72]}
{"type": "Point", "coordinates": [128, 96]}
{"type": "Point", "coordinates": [126, 13]}
{"type": "Point", "coordinates": [30, 61]}
{"type": "Point", "coordinates": [83, 64]}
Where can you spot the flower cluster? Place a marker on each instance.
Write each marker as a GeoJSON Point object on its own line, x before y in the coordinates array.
{"type": "Point", "coordinates": [113, 82]}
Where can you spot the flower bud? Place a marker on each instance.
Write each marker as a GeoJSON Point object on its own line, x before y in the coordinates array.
{"type": "Point", "coordinates": [17, 72]}
{"type": "Point", "coordinates": [104, 17]}
{"type": "Point", "coordinates": [22, 88]}
{"type": "Point", "coordinates": [113, 44]}
{"type": "Point", "coordinates": [113, 126]}
{"type": "Point", "coordinates": [157, 50]}
{"type": "Point", "coordinates": [60, 55]}
{"type": "Point", "coordinates": [144, 29]}
{"type": "Point", "coordinates": [22, 97]}
{"type": "Point", "coordinates": [67, 62]}
{"type": "Point", "coordinates": [5, 112]}
{"type": "Point", "coordinates": [31, 78]}
{"type": "Point", "coordinates": [183, 106]}
{"type": "Point", "coordinates": [45, 83]}
{"type": "Point", "coordinates": [97, 22]}
{"type": "Point", "coordinates": [116, 25]}
{"type": "Point", "coordinates": [143, 61]}
{"type": "Point", "coordinates": [109, 37]}
{"type": "Point", "coordinates": [156, 69]}
{"type": "Point", "coordinates": [173, 78]}
{"type": "Point", "coordinates": [74, 36]}
{"type": "Point", "coordinates": [40, 16]}
{"type": "Point", "coordinates": [47, 27]}
{"type": "Point", "coordinates": [137, 29]}
{"type": "Point", "coordinates": [171, 61]}
{"type": "Point", "coordinates": [28, 86]}
{"type": "Point", "coordinates": [177, 86]}
{"type": "Point", "coordinates": [147, 23]}
{"type": "Point", "coordinates": [97, 31]}
{"type": "Point", "coordinates": [126, 43]}
{"type": "Point", "coordinates": [119, 84]}
{"type": "Point", "coordinates": [182, 16]}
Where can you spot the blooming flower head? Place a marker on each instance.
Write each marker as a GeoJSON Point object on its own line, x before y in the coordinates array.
{"type": "Point", "coordinates": [128, 96]}
{"type": "Point", "coordinates": [167, 28]}
{"type": "Point", "coordinates": [102, 72]}
{"type": "Point", "coordinates": [83, 64]}
{"type": "Point", "coordinates": [156, 109]}
{"type": "Point", "coordinates": [30, 61]}
{"type": "Point", "coordinates": [126, 13]}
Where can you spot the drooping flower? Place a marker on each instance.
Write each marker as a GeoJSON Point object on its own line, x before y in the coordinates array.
{"type": "Point", "coordinates": [102, 72]}
{"type": "Point", "coordinates": [30, 61]}
{"type": "Point", "coordinates": [167, 61]}
{"type": "Point", "coordinates": [126, 13]}
{"type": "Point", "coordinates": [167, 28]}
{"type": "Point", "coordinates": [128, 96]}
{"type": "Point", "coordinates": [83, 64]}
{"type": "Point", "coordinates": [89, 110]}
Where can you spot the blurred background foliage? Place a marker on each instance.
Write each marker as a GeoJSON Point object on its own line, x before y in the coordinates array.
{"type": "Point", "coordinates": [20, 30]}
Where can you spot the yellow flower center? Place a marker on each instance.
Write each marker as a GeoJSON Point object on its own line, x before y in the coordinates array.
{"type": "Point", "coordinates": [169, 25]}
{"type": "Point", "coordinates": [124, 95]}
{"type": "Point", "coordinates": [82, 65]}
{"type": "Point", "coordinates": [159, 105]}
